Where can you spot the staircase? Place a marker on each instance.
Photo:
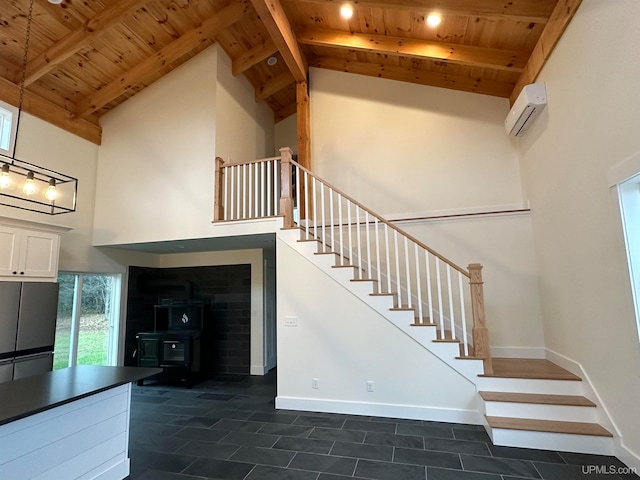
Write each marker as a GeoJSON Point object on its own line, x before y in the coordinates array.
{"type": "Point", "coordinates": [530, 403]}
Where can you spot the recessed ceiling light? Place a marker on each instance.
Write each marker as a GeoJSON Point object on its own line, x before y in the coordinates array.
{"type": "Point", "coordinates": [56, 2]}
{"type": "Point", "coordinates": [434, 20]}
{"type": "Point", "coordinates": [346, 11]}
{"type": "Point", "coordinates": [271, 61]}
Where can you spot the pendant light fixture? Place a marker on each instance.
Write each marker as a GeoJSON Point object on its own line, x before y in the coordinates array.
{"type": "Point", "coordinates": [26, 185]}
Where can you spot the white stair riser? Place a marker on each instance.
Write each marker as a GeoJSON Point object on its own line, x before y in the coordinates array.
{"type": "Point", "coordinates": [526, 385]}
{"type": "Point", "coordinates": [563, 442]}
{"type": "Point", "coordinates": [563, 413]}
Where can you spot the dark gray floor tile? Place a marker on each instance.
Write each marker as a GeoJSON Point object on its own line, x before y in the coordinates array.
{"type": "Point", "coordinates": [551, 471]}
{"type": "Point", "coordinates": [275, 473]}
{"type": "Point", "coordinates": [181, 410]}
{"type": "Point", "coordinates": [156, 443]}
{"type": "Point", "coordinates": [445, 474]}
{"type": "Point", "coordinates": [311, 421]}
{"type": "Point", "coordinates": [425, 431]}
{"type": "Point", "coordinates": [587, 459]}
{"type": "Point", "coordinates": [223, 413]}
{"type": "Point", "coordinates": [333, 476]}
{"type": "Point", "coordinates": [250, 439]}
{"type": "Point", "coordinates": [323, 463]}
{"type": "Point", "coordinates": [143, 429]}
{"type": "Point", "coordinates": [389, 471]}
{"type": "Point", "coordinates": [207, 467]}
{"type": "Point", "coordinates": [357, 450]}
{"type": "Point", "coordinates": [238, 425]}
{"type": "Point", "coordinates": [394, 420]}
{"type": "Point", "coordinates": [427, 458]}
{"type": "Point", "coordinates": [369, 426]}
{"type": "Point", "coordinates": [461, 426]}
{"type": "Point", "coordinates": [273, 418]}
{"type": "Point", "coordinates": [475, 436]}
{"type": "Point", "coordinates": [216, 396]}
{"type": "Point", "coordinates": [503, 466]}
{"type": "Point", "coordinates": [393, 440]}
{"type": "Point", "coordinates": [158, 475]}
{"type": "Point", "coordinates": [263, 456]}
{"type": "Point", "coordinates": [339, 435]}
{"type": "Point", "coordinates": [219, 451]}
{"type": "Point", "coordinates": [304, 445]}
{"type": "Point", "coordinates": [192, 421]}
{"type": "Point", "coordinates": [150, 399]}
{"type": "Point", "coordinates": [526, 454]}
{"type": "Point", "coordinates": [286, 430]}
{"type": "Point", "coordinates": [186, 402]}
{"type": "Point", "coordinates": [206, 434]}
{"type": "Point", "coordinates": [456, 446]}
{"type": "Point", "coordinates": [153, 417]}
{"type": "Point", "coordinates": [166, 462]}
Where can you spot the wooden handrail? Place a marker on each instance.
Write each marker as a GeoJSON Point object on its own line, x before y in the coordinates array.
{"type": "Point", "coordinates": [251, 162]}
{"type": "Point", "coordinates": [389, 224]}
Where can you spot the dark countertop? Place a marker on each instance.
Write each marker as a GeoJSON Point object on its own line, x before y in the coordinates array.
{"type": "Point", "coordinates": [28, 396]}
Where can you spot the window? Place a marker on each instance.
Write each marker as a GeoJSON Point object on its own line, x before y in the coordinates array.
{"type": "Point", "coordinates": [629, 191]}
{"type": "Point", "coordinates": [87, 324]}
{"type": "Point", "coordinates": [8, 120]}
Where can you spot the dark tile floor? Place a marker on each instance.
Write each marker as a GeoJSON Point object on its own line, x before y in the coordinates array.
{"type": "Point", "coordinates": [228, 428]}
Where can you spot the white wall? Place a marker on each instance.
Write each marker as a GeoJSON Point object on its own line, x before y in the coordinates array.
{"type": "Point", "coordinates": [408, 150]}
{"type": "Point", "coordinates": [344, 343]}
{"type": "Point", "coordinates": [155, 171]}
{"type": "Point", "coordinates": [286, 134]}
{"type": "Point", "coordinates": [591, 123]}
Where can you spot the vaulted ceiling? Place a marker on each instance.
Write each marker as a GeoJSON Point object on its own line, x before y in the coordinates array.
{"type": "Point", "coordinates": [86, 57]}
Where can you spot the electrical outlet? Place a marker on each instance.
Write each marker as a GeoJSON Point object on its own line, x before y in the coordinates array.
{"type": "Point", "coordinates": [290, 321]}
{"type": "Point", "coordinates": [369, 386]}
{"type": "Point", "coordinates": [314, 383]}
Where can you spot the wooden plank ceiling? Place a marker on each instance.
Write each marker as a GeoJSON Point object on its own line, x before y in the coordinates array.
{"type": "Point", "coordinates": [87, 56]}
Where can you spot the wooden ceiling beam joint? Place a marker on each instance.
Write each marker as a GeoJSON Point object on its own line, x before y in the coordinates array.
{"type": "Point", "coordinates": [274, 85]}
{"type": "Point", "coordinates": [253, 56]}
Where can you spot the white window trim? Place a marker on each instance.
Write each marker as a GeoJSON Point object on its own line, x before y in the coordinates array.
{"type": "Point", "coordinates": [13, 111]}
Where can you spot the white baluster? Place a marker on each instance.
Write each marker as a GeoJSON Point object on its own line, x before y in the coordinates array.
{"type": "Point", "coordinates": [315, 213]}
{"type": "Point", "coordinates": [298, 194]}
{"type": "Point", "coordinates": [256, 211]}
{"type": "Point", "coordinates": [437, 260]}
{"type": "Point", "coordinates": [462, 314]}
{"type": "Point", "coordinates": [277, 171]}
{"type": "Point", "coordinates": [227, 200]}
{"type": "Point", "coordinates": [244, 191]}
{"type": "Point", "coordinates": [418, 283]}
{"type": "Point", "coordinates": [324, 234]}
{"type": "Point", "coordinates": [340, 227]}
{"type": "Point", "coordinates": [366, 226]}
{"type": "Point", "coordinates": [398, 285]}
{"type": "Point", "coordinates": [375, 221]}
{"type": "Point", "coordinates": [358, 240]}
{"type": "Point", "coordinates": [263, 184]}
{"type": "Point", "coordinates": [333, 228]}
{"type": "Point", "coordinates": [386, 246]}
{"type": "Point", "coordinates": [306, 203]}
{"type": "Point", "coordinates": [426, 263]}
{"type": "Point", "coordinates": [349, 232]}
{"type": "Point", "coordinates": [408, 272]}
{"type": "Point", "coordinates": [239, 196]}
{"type": "Point", "coordinates": [250, 187]}
{"type": "Point", "coordinates": [451, 313]}
{"type": "Point", "coordinates": [268, 188]}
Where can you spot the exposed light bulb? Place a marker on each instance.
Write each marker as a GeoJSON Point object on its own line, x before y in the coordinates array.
{"type": "Point", "coordinates": [5, 181]}
{"type": "Point", "coordinates": [51, 194]}
{"type": "Point", "coordinates": [346, 11]}
{"type": "Point", "coordinates": [29, 187]}
{"type": "Point", "coordinates": [434, 20]}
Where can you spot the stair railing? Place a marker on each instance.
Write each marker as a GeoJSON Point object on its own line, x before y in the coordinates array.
{"type": "Point", "coordinates": [418, 277]}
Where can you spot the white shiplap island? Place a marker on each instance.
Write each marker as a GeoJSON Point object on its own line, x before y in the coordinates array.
{"type": "Point", "coordinates": [71, 423]}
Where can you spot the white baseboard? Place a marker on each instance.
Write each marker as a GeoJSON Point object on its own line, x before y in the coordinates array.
{"type": "Point", "coordinates": [518, 352]}
{"type": "Point", "coordinates": [411, 412]}
{"type": "Point", "coordinates": [627, 457]}
{"type": "Point", "coordinates": [258, 370]}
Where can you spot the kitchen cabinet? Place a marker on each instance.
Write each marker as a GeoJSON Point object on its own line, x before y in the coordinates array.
{"type": "Point", "coordinates": [29, 254]}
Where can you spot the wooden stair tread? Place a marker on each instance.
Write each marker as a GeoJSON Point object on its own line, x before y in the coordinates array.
{"type": "Point", "coordinates": [554, 426]}
{"type": "Point", "coordinates": [364, 280]}
{"type": "Point", "coordinates": [532, 368]}
{"type": "Point", "coordinates": [423, 324]}
{"type": "Point", "coordinates": [383, 294]}
{"type": "Point", "coordinates": [508, 397]}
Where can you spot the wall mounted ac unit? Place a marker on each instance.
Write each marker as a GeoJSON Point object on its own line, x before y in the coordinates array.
{"type": "Point", "coordinates": [530, 102]}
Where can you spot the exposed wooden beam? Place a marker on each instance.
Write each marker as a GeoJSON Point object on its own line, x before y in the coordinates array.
{"type": "Point", "coordinates": [560, 18]}
{"type": "Point", "coordinates": [77, 39]}
{"type": "Point", "coordinates": [252, 57]}
{"type": "Point", "coordinates": [277, 24]}
{"type": "Point", "coordinates": [176, 49]}
{"type": "Point", "coordinates": [284, 112]}
{"type": "Point", "coordinates": [532, 11]}
{"type": "Point", "coordinates": [455, 82]}
{"type": "Point", "coordinates": [460, 54]}
{"type": "Point", "coordinates": [303, 124]}
{"type": "Point", "coordinates": [50, 112]}
{"type": "Point", "coordinates": [274, 85]}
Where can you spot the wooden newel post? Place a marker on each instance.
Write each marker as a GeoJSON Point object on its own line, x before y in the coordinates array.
{"type": "Point", "coordinates": [218, 206]}
{"type": "Point", "coordinates": [480, 332]}
{"type": "Point", "coordinates": [286, 198]}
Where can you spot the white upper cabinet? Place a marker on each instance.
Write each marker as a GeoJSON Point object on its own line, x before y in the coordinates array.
{"type": "Point", "coordinates": [29, 254]}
